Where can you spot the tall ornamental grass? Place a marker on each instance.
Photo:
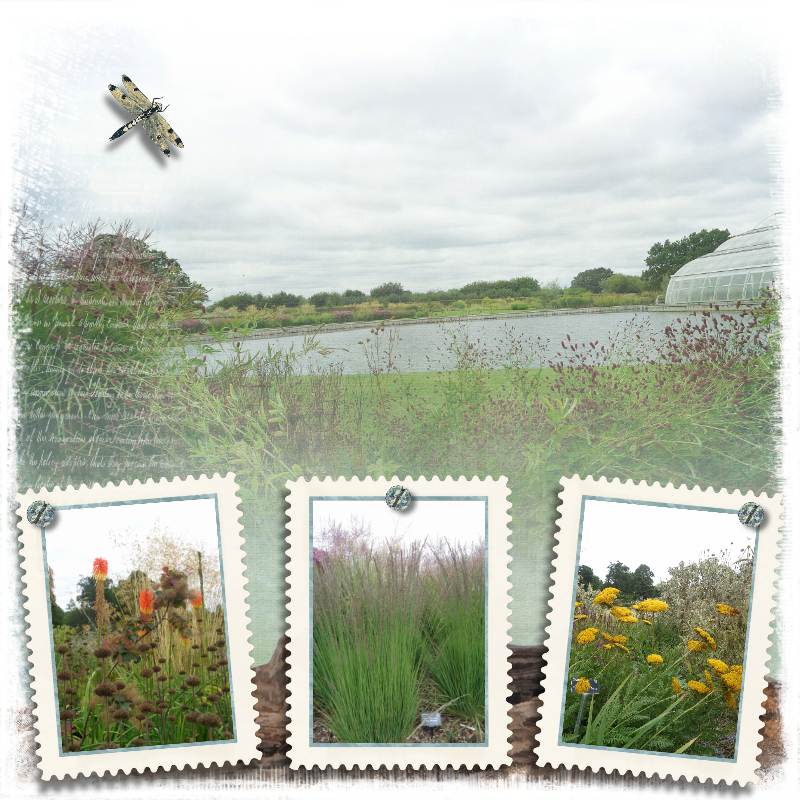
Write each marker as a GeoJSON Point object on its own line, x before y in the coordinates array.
{"type": "Point", "coordinates": [397, 630]}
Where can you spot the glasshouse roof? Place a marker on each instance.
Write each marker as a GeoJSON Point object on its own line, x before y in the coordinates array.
{"type": "Point", "coordinates": [741, 268]}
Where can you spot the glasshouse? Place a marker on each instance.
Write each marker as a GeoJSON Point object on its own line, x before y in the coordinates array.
{"type": "Point", "coordinates": [741, 268]}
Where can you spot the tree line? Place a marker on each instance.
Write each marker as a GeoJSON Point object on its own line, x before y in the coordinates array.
{"type": "Point", "coordinates": [662, 261]}
{"type": "Point", "coordinates": [632, 584]}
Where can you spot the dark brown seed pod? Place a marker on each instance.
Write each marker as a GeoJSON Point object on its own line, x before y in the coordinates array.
{"type": "Point", "coordinates": [104, 689]}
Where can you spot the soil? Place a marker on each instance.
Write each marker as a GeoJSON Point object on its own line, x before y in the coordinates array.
{"type": "Point", "coordinates": [453, 731]}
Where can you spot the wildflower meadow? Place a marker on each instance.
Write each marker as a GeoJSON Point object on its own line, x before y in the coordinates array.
{"type": "Point", "coordinates": [398, 630]}
{"type": "Point", "coordinates": [141, 662]}
{"type": "Point", "coordinates": [668, 667]}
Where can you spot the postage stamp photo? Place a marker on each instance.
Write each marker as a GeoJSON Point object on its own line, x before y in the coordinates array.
{"type": "Point", "coordinates": [398, 622]}
{"type": "Point", "coordinates": [659, 630]}
{"type": "Point", "coordinates": [136, 610]}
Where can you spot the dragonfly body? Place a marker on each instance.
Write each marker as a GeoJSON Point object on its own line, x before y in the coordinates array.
{"type": "Point", "coordinates": [145, 112]}
{"type": "Point", "coordinates": [155, 108]}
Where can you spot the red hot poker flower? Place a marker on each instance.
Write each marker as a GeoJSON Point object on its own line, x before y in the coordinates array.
{"type": "Point", "coordinates": [197, 600]}
{"type": "Point", "coordinates": [100, 569]}
{"type": "Point", "coordinates": [146, 600]}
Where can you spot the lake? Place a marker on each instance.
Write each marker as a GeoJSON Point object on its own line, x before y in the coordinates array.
{"type": "Point", "coordinates": [432, 346]}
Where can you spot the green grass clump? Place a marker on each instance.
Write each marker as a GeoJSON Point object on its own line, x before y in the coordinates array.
{"type": "Point", "coordinates": [394, 630]}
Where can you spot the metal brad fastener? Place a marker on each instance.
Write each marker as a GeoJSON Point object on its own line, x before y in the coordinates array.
{"type": "Point", "coordinates": [398, 498]}
{"type": "Point", "coordinates": [751, 514]}
{"type": "Point", "coordinates": [41, 513]}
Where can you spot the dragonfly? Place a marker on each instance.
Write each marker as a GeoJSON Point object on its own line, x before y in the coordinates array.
{"type": "Point", "coordinates": [148, 112]}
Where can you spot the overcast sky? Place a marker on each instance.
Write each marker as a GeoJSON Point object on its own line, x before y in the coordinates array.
{"type": "Point", "coordinates": [114, 533]}
{"type": "Point", "coordinates": [658, 536]}
{"type": "Point", "coordinates": [457, 522]}
{"type": "Point", "coordinates": [343, 145]}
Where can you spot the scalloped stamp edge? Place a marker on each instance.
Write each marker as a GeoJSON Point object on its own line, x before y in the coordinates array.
{"type": "Point", "coordinates": [548, 749]}
{"type": "Point", "coordinates": [302, 753]}
{"type": "Point", "coordinates": [51, 762]}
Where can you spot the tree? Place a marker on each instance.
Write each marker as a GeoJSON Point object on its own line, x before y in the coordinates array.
{"type": "Point", "coordinates": [284, 299]}
{"type": "Point", "coordinates": [387, 289]}
{"type": "Point", "coordinates": [82, 609]}
{"type": "Point", "coordinates": [641, 585]}
{"type": "Point", "coordinates": [586, 576]}
{"type": "Point", "coordinates": [182, 290]}
{"type": "Point", "coordinates": [665, 258]}
{"type": "Point", "coordinates": [622, 284]}
{"type": "Point", "coordinates": [619, 576]}
{"type": "Point", "coordinates": [322, 299]}
{"type": "Point", "coordinates": [591, 279]}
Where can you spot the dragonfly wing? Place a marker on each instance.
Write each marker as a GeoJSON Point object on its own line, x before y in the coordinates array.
{"type": "Point", "coordinates": [166, 130]}
{"type": "Point", "coordinates": [125, 100]}
{"type": "Point", "coordinates": [154, 132]}
{"type": "Point", "coordinates": [135, 92]}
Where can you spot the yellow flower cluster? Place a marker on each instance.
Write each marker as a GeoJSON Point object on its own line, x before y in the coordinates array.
{"type": "Point", "coordinates": [606, 597]}
{"type": "Point", "coordinates": [698, 686]}
{"type": "Point", "coordinates": [582, 686]}
{"type": "Point", "coordinates": [579, 617]}
{"type": "Point", "coordinates": [706, 637]}
{"type": "Point", "coordinates": [615, 639]}
{"type": "Point", "coordinates": [651, 606]}
{"type": "Point", "coordinates": [676, 686]}
{"type": "Point", "coordinates": [726, 610]}
{"type": "Point", "coordinates": [655, 659]}
{"type": "Point", "coordinates": [695, 646]}
{"type": "Point", "coordinates": [718, 666]}
{"type": "Point", "coordinates": [587, 636]}
{"type": "Point", "coordinates": [733, 678]}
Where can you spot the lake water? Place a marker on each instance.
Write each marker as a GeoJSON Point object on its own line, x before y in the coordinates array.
{"type": "Point", "coordinates": [524, 341]}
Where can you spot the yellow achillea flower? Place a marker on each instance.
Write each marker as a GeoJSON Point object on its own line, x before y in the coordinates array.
{"type": "Point", "coordinates": [709, 679]}
{"type": "Point", "coordinates": [621, 611]}
{"type": "Point", "coordinates": [579, 617]}
{"type": "Point", "coordinates": [606, 597]}
{"type": "Point", "coordinates": [618, 639]}
{"type": "Point", "coordinates": [608, 647]}
{"type": "Point", "coordinates": [578, 604]}
{"type": "Point", "coordinates": [697, 686]}
{"type": "Point", "coordinates": [630, 620]}
{"type": "Point", "coordinates": [654, 658]}
{"type": "Point", "coordinates": [586, 636]}
{"type": "Point", "coordinates": [718, 666]}
{"type": "Point", "coordinates": [651, 606]}
{"type": "Point", "coordinates": [730, 699]}
{"type": "Point", "coordinates": [695, 646]}
{"type": "Point", "coordinates": [582, 686]}
{"type": "Point", "coordinates": [733, 679]}
{"type": "Point", "coordinates": [726, 610]}
{"type": "Point", "coordinates": [621, 647]}
{"type": "Point", "coordinates": [676, 686]}
{"type": "Point", "coordinates": [706, 637]}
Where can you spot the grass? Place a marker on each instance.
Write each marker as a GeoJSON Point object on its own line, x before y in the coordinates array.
{"type": "Point", "coordinates": [397, 631]}
{"type": "Point", "coordinates": [685, 700]}
{"type": "Point", "coordinates": [148, 668]}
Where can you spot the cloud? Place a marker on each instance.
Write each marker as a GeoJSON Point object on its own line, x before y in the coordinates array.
{"type": "Point", "coordinates": [347, 147]}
